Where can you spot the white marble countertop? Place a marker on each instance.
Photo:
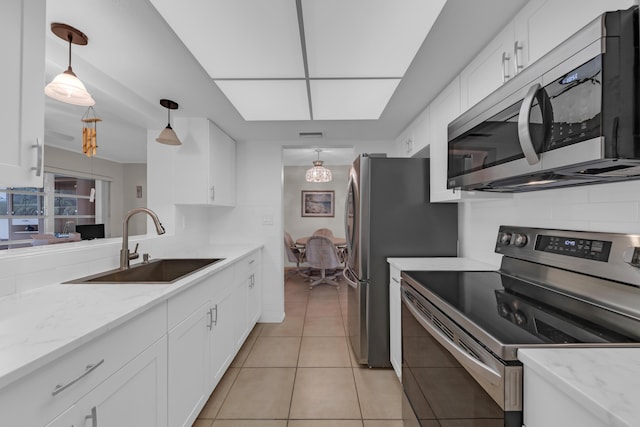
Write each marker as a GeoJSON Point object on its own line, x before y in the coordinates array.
{"type": "Point", "coordinates": [605, 381]}
{"type": "Point", "coordinates": [440, 263]}
{"type": "Point", "coordinates": [40, 325]}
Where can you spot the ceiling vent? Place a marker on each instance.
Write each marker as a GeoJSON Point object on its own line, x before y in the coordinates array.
{"type": "Point", "coordinates": [311, 134]}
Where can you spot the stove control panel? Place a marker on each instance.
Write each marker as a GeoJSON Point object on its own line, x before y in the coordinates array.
{"type": "Point", "coordinates": [597, 250]}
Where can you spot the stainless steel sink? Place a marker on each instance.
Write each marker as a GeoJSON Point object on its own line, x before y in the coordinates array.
{"type": "Point", "coordinates": [161, 271]}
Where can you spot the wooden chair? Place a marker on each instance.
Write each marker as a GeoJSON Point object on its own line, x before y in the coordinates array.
{"type": "Point", "coordinates": [322, 255]}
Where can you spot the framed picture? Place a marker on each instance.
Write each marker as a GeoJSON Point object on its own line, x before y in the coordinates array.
{"type": "Point", "coordinates": [318, 203]}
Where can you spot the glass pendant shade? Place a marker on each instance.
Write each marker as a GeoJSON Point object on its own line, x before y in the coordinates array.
{"type": "Point", "coordinates": [168, 136]}
{"type": "Point", "coordinates": [66, 87]}
{"type": "Point", "coordinates": [318, 173]}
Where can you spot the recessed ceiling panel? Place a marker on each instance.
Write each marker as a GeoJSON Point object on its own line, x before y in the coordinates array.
{"type": "Point", "coordinates": [365, 38]}
{"type": "Point", "coordinates": [238, 38]}
{"type": "Point", "coordinates": [351, 99]}
{"type": "Point", "coordinates": [267, 99]}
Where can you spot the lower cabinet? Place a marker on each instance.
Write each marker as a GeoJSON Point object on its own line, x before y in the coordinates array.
{"type": "Point", "coordinates": [135, 396]}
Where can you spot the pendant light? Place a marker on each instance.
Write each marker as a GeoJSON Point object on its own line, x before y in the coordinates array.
{"type": "Point", "coordinates": [168, 136]}
{"type": "Point", "coordinates": [318, 173]}
{"type": "Point", "coordinates": [66, 86]}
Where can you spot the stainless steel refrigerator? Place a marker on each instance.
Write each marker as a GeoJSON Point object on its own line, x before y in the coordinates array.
{"type": "Point", "coordinates": [388, 214]}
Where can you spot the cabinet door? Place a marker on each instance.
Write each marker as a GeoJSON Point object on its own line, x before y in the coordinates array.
{"type": "Point", "coordinates": [254, 287]}
{"type": "Point", "coordinates": [444, 108]}
{"type": "Point", "coordinates": [189, 366]}
{"type": "Point", "coordinates": [222, 168]}
{"type": "Point", "coordinates": [222, 341]}
{"type": "Point", "coordinates": [135, 396]}
{"type": "Point", "coordinates": [394, 321]}
{"type": "Point", "coordinates": [489, 69]}
{"type": "Point", "coordinates": [542, 24]}
{"type": "Point", "coordinates": [22, 42]}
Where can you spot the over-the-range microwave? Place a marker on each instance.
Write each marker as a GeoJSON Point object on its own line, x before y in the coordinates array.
{"type": "Point", "coordinates": [570, 118]}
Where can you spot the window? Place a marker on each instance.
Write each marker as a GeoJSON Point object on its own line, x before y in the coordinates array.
{"type": "Point", "coordinates": [64, 202]}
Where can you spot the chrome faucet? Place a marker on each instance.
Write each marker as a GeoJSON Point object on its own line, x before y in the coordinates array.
{"type": "Point", "coordinates": [125, 256]}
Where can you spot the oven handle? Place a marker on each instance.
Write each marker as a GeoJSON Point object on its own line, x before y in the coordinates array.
{"type": "Point", "coordinates": [478, 368]}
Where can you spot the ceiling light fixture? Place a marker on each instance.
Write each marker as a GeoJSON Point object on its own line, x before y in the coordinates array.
{"type": "Point", "coordinates": [66, 86]}
{"type": "Point", "coordinates": [318, 173]}
{"type": "Point", "coordinates": [168, 136]}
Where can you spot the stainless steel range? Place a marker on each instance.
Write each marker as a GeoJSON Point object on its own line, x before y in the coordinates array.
{"type": "Point", "coordinates": [461, 330]}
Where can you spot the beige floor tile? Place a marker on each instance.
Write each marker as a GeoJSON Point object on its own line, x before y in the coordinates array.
{"type": "Point", "coordinates": [244, 351]}
{"type": "Point", "coordinates": [385, 423]}
{"type": "Point", "coordinates": [324, 393]}
{"type": "Point", "coordinates": [325, 423]}
{"type": "Point", "coordinates": [274, 352]}
{"type": "Point", "coordinates": [324, 352]}
{"type": "Point", "coordinates": [295, 308]}
{"type": "Point", "coordinates": [216, 399]}
{"type": "Point", "coordinates": [379, 393]}
{"type": "Point", "coordinates": [323, 327]}
{"type": "Point", "coordinates": [290, 327]}
{"type": "Point", "coordinates": [202, 423]}
{"type": "Point", "coordinates": [259, 393]}
{"type": "Point", "coordinates": [323, 308]}
{"type": "Point", "coordinates": [250, 423]}
{"type": "Point", "coordinates": [323, 291]}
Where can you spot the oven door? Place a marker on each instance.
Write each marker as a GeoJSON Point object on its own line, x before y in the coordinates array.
{"type": "Point", "coordinates": [447, 375]}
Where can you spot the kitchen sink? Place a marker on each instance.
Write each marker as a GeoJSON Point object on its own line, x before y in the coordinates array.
{"type": "Point", "coordinates": [160, 271]}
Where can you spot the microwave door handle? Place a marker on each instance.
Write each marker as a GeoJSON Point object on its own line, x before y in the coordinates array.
{"type": "Point", "coordinates": [524, 135]}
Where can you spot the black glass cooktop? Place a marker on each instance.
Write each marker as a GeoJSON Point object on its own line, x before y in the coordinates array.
{"type": "Point", "coordinates": [510, 309]}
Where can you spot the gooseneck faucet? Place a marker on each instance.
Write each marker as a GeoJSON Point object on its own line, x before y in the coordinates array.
{"type": "Point", "coordinates": [125, 256]}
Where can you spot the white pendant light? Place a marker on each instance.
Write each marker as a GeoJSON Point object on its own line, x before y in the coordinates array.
{"type": "Point", "coordinates": [168, 135]}
{"type": "Point", "coordinates": [318, 173]}
{"type": "Point", "coordinates": [66, 86]}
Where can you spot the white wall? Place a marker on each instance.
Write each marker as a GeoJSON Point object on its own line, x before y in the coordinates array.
{"type": "Point", "coordinates": [134, 175]}
{"type": "Point", "coordinates": [294, 184]}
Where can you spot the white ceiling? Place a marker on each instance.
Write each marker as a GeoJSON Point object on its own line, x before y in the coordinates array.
{"type": "Point", "coordinates": [134, 58]}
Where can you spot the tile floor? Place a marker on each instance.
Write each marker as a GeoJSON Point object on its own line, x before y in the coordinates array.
{"type": "Point", "coordinates": [301, 373]}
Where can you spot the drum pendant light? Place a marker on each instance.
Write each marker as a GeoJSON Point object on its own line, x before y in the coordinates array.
{"type": "Point", "coordinates": [66, 86]}
{"type": "Point", "coordinates": [168, 135]}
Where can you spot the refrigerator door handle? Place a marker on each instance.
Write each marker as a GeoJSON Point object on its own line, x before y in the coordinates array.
{"type": "Point", "coordinates": [348, 274]}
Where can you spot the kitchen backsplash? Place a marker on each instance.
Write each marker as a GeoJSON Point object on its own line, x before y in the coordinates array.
{"type": "Point", "coordinates": [603, 207]}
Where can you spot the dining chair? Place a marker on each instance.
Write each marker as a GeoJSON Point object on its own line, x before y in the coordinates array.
{"type": "Point", "coordinates": [322, 255]}
{"type": "Point", "coordinates": [294, 254]}
{"type": "Point", "coordinates": [323, 232]}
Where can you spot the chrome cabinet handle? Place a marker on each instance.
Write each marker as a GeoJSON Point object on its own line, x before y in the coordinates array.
{"type": "Point", "coordinates": [215, 320]}
{"type": "Point", "coordinates": [395, 279]}
{"type": "Point", "coordinates": [524, 135]}
{"type": "Point", "coordinates": [39, 148]}
{"type": "Point", "coordinates": [210, 322]}
{"type": "Point", "coordinates": [213, 192]}
{"type": "Point", "coordinates": [90, 368]}
{"type": "Point", "coordinates": [93, 417]}
{"type": "Point", "coordinates": [517, 67]}
{"type": "Point", "coordinates": [505, 59]}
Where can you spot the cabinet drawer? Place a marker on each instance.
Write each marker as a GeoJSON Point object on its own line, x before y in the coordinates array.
{"type": "Point", "coordinates": [31, 400]}
{"type": "Point", "coordinates": [183, 304]}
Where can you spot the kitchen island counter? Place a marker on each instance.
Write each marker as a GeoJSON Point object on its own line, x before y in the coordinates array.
{"type": "Point", "coordinates": [600, 384]}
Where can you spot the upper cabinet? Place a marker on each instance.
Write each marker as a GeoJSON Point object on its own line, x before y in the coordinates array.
{"type": "Point", "coordinates": [22, 43]}
{"type": "Point", "coordinates": [540, 26]}
{"type": "Point", "coordinates": [205, 164]}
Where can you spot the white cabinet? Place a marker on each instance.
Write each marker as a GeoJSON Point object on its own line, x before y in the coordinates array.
{"type": "Point", "coordinates": [134, 396]}
{"type": "Point", "coordinates": [223, 343]}
{"type": "Point", "coordinates": [22, 41]}
{"type": "Point", "coordinates": [533, 23]}
{"type": "Point", "coordinates": [205, 164]}
{"type": "Point", "coordinates": [493, 66]}
{"type": "Point", "coordinates": [395, 325]}
{"type": "Point", "coordinates": [253, 284]}
{"type": "Point", "coordinates": [443, 109]}
{"type": "Point", "coordinates": [188, 372]}
{"type": "Point", "coordinates": [119, 361]}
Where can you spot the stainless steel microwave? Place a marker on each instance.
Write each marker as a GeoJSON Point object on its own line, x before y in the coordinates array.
{"type": "Point", "coordinates": [570, 118]}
